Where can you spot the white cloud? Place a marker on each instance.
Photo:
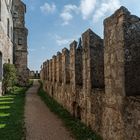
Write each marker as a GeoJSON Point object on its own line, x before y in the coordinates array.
{"type": "Point", "coordinates": [87, 7]}
{"type": "Point", "coordinates": [106, 6]}
{"type": "Point", "coordinates": [67, 12]}
{"type": "Point", "coordinates": [66, 17]}
{"type": "Point", "coordinates": [63, 41]}
{"type": "Point", "coordinates": [92, 10]}
{"type": "Point", "coordinates": [48, 8]}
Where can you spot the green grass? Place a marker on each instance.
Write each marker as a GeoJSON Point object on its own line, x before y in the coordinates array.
{"type": "Point", "coordinates": [31, 82]}
{"type": "Point", "coordinates": [77, 129]}
{"type": "Point", "coordinates": [12, 115]}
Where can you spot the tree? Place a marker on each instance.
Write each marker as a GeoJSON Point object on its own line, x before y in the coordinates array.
{"type": "Point", "coordinates": [9, 77]}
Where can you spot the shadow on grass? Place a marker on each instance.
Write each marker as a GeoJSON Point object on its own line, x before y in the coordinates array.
{"type": "Point", "coordinates": [12, 115]}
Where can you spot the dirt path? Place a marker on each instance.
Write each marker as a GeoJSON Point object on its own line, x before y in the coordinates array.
{"type": "Point", "coordinates": [41, 124]}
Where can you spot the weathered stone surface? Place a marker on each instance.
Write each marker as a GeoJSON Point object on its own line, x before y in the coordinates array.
{"type": "Point", "coordinates": [79, 66]}
{"type": "Point", "coordinates": [13, 38]}
{"type": "Point", "coordinates": [65, 66]}
{"type": "Point", "coordinates": [122, 72]}
{"type": "Point", "coordinates": [6, 36]}
{"type": "Point", "coordinates": [100, 83]}
{"type": "Point", "coordinates": [69, 68]}
{"type": "Point", "coordinates": [54, 70]}
{"type": "Point", "coordinates": [59, 67]}
{"type": "Point", "coordinates": [93, 60]}
{"type": "Point", "coordinates": [20, 42]}
{"type": "Point", "coordinates": [73, 75]}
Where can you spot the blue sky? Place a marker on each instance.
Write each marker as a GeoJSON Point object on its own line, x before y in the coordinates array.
{"type": "Point", "coordinates": [53, 24]}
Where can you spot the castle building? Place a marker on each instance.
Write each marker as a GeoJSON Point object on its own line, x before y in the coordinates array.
{"type": "Point", "coordinates": [20, 42]}
{"type": "Point", "coordinates": [13, 38]}
{"type": "Point", "coordinates": [6, 35]}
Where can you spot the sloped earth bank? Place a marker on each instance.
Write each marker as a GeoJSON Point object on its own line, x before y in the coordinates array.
{"type": "Point", "coordinates": [40, 122]}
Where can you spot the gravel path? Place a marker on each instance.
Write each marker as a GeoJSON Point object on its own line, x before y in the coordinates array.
{"type": "Point", "coordinates": [40, 122]}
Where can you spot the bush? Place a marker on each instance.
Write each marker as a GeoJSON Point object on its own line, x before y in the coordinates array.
{"type": "Point", "coordinates": [9, 77]}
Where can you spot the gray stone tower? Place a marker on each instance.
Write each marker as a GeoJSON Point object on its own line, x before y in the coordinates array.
{"type": "Point", "coordinates": [20, 42]}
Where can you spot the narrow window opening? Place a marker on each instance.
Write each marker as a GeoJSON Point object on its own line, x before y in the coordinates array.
{"type": "Point", "coordinates": [1, 71]}
{"type": "Point", "coordinates": [9, 61]}
{"type": "Point", "coordinates": [0, 10]}
{"type": "Point", "coordinates": [20, 41]}
{"type": "Point", "coordinates": [8, 27]}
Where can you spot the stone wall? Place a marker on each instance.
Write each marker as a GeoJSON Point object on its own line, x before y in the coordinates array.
{"type": "Point", "coordinates": [20, 42]}
{"type": "Point", "coordinates": [122, 75]}
{"type": "Point", "coordinates": [6, 36]}
{"type": "Point", "coordinates": [97, 80]}
{"type": "Point", "coordinates": [13, 38]}
{"type": "Point", "coordinates": [34, 74]}
{"type": "Point", "coordinates": [69, 79]}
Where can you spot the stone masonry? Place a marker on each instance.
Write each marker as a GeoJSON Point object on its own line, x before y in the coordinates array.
{"type": "Point", "coordinates": [97, 80]}
{"type": "Point", "coordinates": [13, 39]}
{"type": "Point", "coordinates": [6, 36]}
{"type": "Point", "coordinates": [20, 42]}
{"type": "Point", "coordinates": [122, 76]}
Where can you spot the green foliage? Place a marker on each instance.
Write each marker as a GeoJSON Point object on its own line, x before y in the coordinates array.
{"type": "Point", "coordinates": [9, 77]}
{"type": "Point", "coordinates": [78, 129]}
{"type": "Point", "coordinates": [12, 115]}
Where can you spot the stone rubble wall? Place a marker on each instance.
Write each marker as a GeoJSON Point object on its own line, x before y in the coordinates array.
{"type": "Point", "coordinates": [20, 42]}
{"type": "Point", "coordinates": [98, 80]}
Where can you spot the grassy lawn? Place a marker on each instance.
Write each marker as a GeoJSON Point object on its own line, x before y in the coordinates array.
{"type": "Point", "coordinates": [12, 115]}
{"type": "Point", "coordinates": [77, 129]}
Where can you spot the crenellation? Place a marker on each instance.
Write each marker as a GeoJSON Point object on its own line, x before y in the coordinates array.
{"type": "Point", "coordinates": [47, 69]}
{"type": "Point", "coordinates": [54, 69]}
{"type": "Point", "coordinates": [79, 67]}
{"type": "Point", "coordinates": [121, 56]}
{"type": "Point", "coordinates": [73, 46]}
{"type": "Point", "coordinates": [65, 66]}
{"type": "Point", "coordinates": [59, 67]}
{"type": "Point", "coordinates": [50, 70]}
{"type": "Point", "coordinates": [93, 53]}
{"type": "Point", "coordinates": [100, 78]}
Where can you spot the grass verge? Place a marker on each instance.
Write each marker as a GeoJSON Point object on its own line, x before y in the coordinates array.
{"type": "Point", "coordinates": [78, 129]}
{"type": "Point", "coordinates": [12, 115]}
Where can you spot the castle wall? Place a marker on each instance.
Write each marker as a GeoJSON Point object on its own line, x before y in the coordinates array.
{"type": "Point", "coordinates": [100, 78]}
{"type": "Point", "coordinates": [20, 42]}
{"type": "Point", "coordinates": [6, 36]}
{"type": "Point", "coordinates": [73, 92]}
{"type": "Point", "coordinates": [13, 38]}
{"type": "Point", "coordinates": [121, 56]}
